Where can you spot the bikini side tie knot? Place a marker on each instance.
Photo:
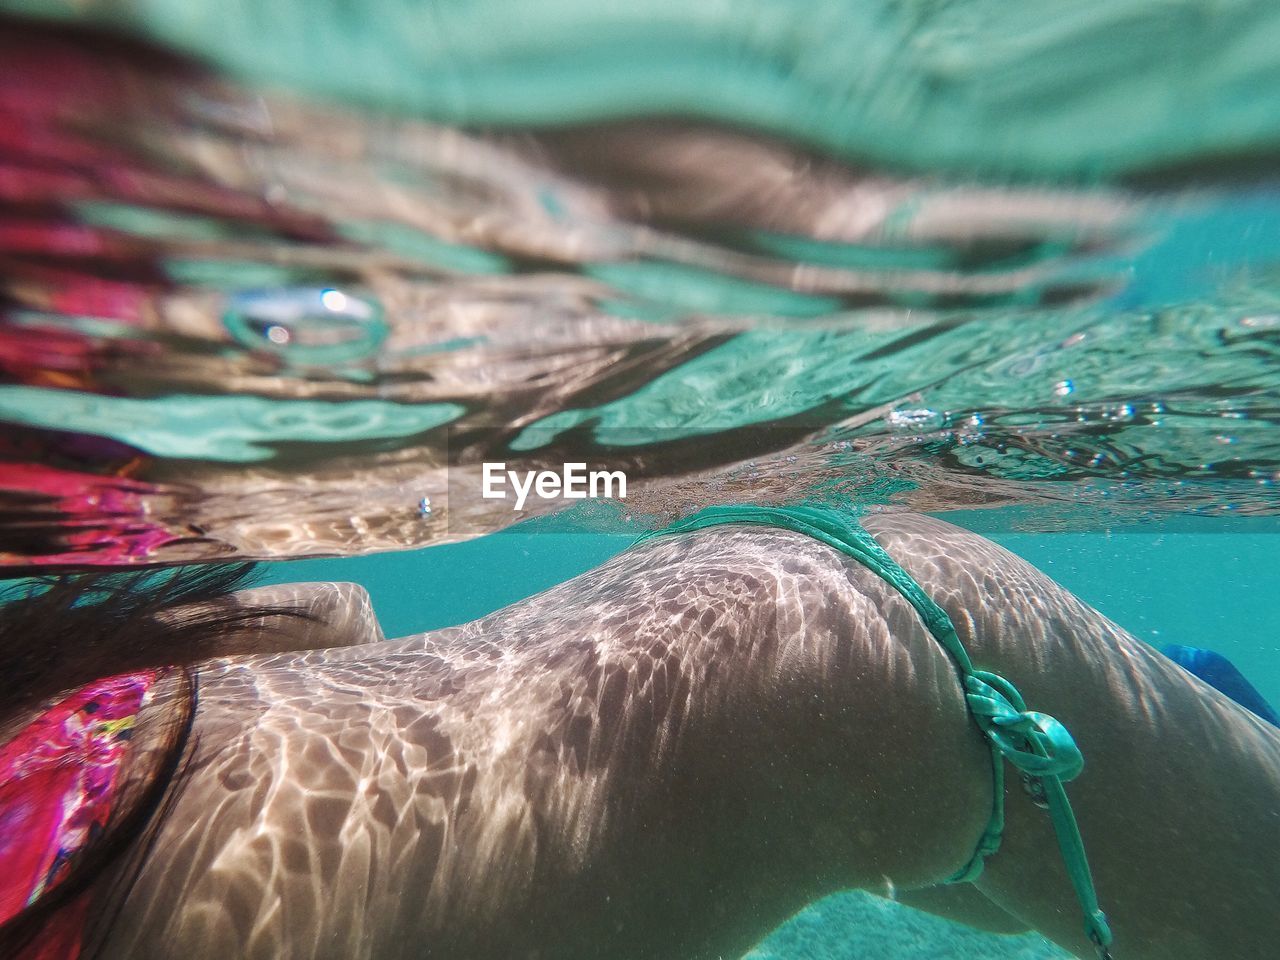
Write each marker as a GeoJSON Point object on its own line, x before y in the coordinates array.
{"type": "Point", "coordinates": [1035, 743]}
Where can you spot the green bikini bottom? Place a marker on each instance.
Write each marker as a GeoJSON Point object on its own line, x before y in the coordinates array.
{"type": "Point", "coordinates": [1036, 744]}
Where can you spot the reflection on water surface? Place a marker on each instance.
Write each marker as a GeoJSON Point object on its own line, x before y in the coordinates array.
{"type": "Point", "coordinates": [241, 322]}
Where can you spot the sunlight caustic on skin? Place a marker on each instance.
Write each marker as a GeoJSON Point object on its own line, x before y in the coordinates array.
{"type": "Point", "coordinates": [688, 724]}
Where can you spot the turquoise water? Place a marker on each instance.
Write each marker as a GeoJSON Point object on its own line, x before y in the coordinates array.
{"type": "Point", "coordinates": [1215, 590]}
{"type": "Point", "coordinates": [1099, 87]}
{"type": "Point", "coordinates": [231, 307]}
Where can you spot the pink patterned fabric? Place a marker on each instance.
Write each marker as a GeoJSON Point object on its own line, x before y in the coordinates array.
{"type": "Point", "coordinates": [57, 780]}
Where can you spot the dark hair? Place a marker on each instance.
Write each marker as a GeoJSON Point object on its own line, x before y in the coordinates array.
{"type": "Point", "coordinates": [58, 633]}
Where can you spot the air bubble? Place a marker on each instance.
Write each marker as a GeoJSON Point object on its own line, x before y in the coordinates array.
{"type": "Point", "coordinates": [914, 420]}
{"type": "Point", "coordinates": [308, 326]}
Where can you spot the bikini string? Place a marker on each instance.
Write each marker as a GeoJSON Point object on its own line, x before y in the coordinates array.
{"type": "Point", "coordinates": [1036, 744]}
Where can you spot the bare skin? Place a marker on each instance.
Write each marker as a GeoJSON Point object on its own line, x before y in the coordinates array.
{"type": "Point", "coordinates": [664, 758]}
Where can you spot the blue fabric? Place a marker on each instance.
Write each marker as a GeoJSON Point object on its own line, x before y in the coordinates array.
{"type": "Point", "coordinates": [1221, 674]}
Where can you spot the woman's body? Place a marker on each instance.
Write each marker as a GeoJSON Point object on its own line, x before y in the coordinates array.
{"type": "Point", "coordinates": [666, 756]}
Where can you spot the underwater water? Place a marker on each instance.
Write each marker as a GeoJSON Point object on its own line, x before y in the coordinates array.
{"type": "Point", "coordinates": [228, 308]}
{"type": "Point", "coordinates": [276, 283]}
